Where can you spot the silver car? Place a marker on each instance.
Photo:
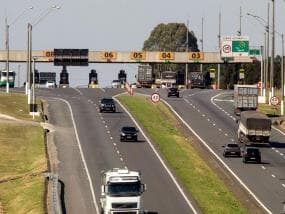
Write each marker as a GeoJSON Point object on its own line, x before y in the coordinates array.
{"type": "Point", "coordinates": [232, 149]}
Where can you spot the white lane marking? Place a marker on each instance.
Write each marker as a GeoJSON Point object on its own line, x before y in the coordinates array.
{"type": "Point", "coordinates": [263, 167]}
{"type": "Point", "coordinates": [102, 89]}
{"type": "Point", "coordinates": [198, 110]}
{"type": "Point", "coordinates": [103, 121]}
{"type": "Point", "coordinates": [118, 152]}
{"type": "Point", "coordinates": [214, 124]}
{"type": "Point", "coordinates": [101, 118]}
{"type": "Point", "coordinates": [203, 115]}
{"type": "Point", "coordinates": [281, 154]}
{"type": "Point", "coordinates": [225, 165]}
{"type": "Point", "coordinates": [226, 134]}
{"type": "Point", "coordinates": [277, 151]}
{"type": "Point", "coordinates": [232, 140]}
{"type": "Point", "coordinates": [114, 144]}
{"type": "Point", "coordinates": [273, 176]}
{"type": "Point", "coordinates": [208, 119]}
{"type": "Point", "coordinates": [76, 89]}
{"type": "Point", "coordinates": [283, 185]}
{"type": "Point", "coordinates": [122, 159]}
{"type": "Point", "coordinates": [159, 158]}
{"type": "Point", "coordinates": [82, 156]}
{"type": "Point", "coordinates": [111, 138]}
{"type": "Point", "coordinates": [273, 148]}
{"type": "Point", "coordinates": [108, 132]}
{"type": "Point", "coordinates": [220, 130]}
{"type": "Point", "coordinates": [106, 126]}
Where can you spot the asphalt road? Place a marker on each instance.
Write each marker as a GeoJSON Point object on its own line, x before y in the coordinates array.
{"type": "Point", "coordinates": [98, 134]}
{"type": "Point", "coordinates": [213, 120]}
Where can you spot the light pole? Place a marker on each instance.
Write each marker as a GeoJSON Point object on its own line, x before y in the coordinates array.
{"type": "Point", "coordinates": [30, 57]}
{"type": "Point", "coordinates": [186, 65]}
{"type": "Point", "coordinates": [282, 77]}
{"type": "Point", "coordinates": [272, 52]}
{"type": "Point", "coordinates": [7, 27]}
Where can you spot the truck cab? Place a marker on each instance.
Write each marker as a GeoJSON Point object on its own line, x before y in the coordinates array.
{"type": "Point", "coordinates": [121, 192]}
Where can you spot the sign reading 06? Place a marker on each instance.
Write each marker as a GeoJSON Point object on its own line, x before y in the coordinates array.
{"type": "Point", "coordinates": [196, 55]}
{"type": "Point", "coordinates": [166, 55]}
{"type": "Point", "coordinates": [109, 55]}
{"type": "Point", "coordinates": [138, 55]}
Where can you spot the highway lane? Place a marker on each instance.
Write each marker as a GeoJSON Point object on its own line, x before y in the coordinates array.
{"type": "Point", "coordinates": [265, 180]}
{"type": "Point", "coordinates": [99, 138]}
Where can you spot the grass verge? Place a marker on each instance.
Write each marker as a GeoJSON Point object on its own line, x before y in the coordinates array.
{"type": "Point", "coordinates": [211, 194]}
{"type": "Point", "coordinates": [22, 159]}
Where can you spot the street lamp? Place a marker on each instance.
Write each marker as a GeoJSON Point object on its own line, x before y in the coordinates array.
{"type": "Point", "coordinates": [29, 55]}
{"type": "Point", "coordinates": [7, 26]}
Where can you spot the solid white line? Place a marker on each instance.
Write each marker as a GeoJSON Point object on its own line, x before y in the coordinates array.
{"type": "Point", "coordinates": [240, 181]}
{"type": "Point", "coordinates": [159, 158]}
{"type": "Point", "coordinates": [82, 156]}
{"type": "Point", "coordinates": [78, 91]}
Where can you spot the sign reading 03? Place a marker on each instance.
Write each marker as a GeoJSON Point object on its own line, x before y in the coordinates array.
{"type": "Point", "coordinates": [108, 55]}
{"type": "Point", "coordinates": [138, 55]}
{"type": "Point", "coordinates": [196, 55]}
{"type": "Point", "coordinates": [166, 55]}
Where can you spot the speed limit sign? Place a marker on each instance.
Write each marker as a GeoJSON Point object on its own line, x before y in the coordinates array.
{"type": "Point", "coordinates": [155, 97]}
{"type": "Point", "coordinates": [274, 100]}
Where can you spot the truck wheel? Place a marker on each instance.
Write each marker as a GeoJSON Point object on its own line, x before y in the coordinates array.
{"type": "Point", "coordinates": [101, 211]}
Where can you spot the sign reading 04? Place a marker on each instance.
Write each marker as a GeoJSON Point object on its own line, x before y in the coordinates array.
{"type": "Point", "coordinates": [138, 55]}
{"type": "Point", "coordinates": [166, 55]}
{"type": "Point", "coordinates": [109, 55]}
{"type": "Point", "coordinates": [196, 55]}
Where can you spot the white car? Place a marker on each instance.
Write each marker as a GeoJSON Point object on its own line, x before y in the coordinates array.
{"type": "Point", "coordinates": [116, 84]}
{"type": "Point", "coordinates": [50, 84]}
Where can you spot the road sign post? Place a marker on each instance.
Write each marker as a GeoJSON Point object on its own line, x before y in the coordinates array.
{"type": "Point", "coordinates": [155, 97]}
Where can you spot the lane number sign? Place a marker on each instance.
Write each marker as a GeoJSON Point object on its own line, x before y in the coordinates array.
{"type": "Point", "coordinates": [138, 55]}
{"type": "Point", "coordinates": [108, 55]}
{"type": "Point", "coordinates": [196, 55]}
{"type": "Point", "coordinates": [274, 101]}
{"type": "Point", "coordinates": [166, 56]}
{"type": "Point", "coordinates": [155, 97]}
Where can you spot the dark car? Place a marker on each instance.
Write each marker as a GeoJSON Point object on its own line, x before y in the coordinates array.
{"type": "Point", "coordinates": [107, 105]}
{"type": "Point", "coordinates": [173, 92]}
{"type": "Point", "coordinates": [129, 133]}
{"type": "Point", "coordinates": [251, 154]}
{"type": "Point", "coordinates": [232, 149]}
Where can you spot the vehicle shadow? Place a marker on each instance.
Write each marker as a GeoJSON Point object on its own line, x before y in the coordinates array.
{"type": "Point", "coordinates": [138, 141]}
{"type": "Point", "coordinates": [277, 144]}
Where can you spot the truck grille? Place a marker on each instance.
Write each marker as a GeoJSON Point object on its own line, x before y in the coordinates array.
{"type": "Point", "coordinates": [124, 205]}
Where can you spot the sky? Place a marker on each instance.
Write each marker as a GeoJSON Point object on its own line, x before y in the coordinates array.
{"type": "Point", "coordinates": [124, 25]}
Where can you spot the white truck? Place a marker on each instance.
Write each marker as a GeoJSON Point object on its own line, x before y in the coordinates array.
{"type": "Point", "coordinates": [121, 192]}
{"type": "Point", "coordinates": [253, 127]}
{"type": "Point", "coordinates": [245, 98]}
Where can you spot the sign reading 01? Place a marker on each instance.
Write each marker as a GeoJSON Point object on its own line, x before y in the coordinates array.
{"type": "Point", "coordinates": [166, 55]}
{"type": "Point", "coordinates": [138, 55]}
{"type": "Point", "coordinates": [109, 55]}
{"type": "Point", "coordinates": [196, 55]}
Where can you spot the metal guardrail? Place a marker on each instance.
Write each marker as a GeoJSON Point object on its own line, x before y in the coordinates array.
{"type": "Point", "coordinates": [55, 194]}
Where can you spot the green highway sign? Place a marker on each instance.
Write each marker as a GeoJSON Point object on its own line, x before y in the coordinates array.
{"type": "Point", "coordinates": [240, 46]}
{"type": "Point", "coordinates": [254, 52]}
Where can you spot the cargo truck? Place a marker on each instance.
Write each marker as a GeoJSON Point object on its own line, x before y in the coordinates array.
{"type": "Point", "coordinates": [245, 98]}
{"type": "Point", "coordinates": [121, 192]}
{"type": "Point", "coordinates": [145, 76]}
{"type": "Point", "coordinates": [253, 127]}
{"type": "Point", "coordinates": [197, 80]}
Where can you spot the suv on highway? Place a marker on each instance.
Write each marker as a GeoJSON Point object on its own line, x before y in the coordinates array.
{"type": "Point", "coordinates": [107, 104]}
{"type": "Point", "coordinates": [251, 154]}
{"type": "Point", "coordinates": [231, 149]}
{"type": "Point", "coordinates": [173, 92]}
{"type": "Point", "coordinates": [129, 133]}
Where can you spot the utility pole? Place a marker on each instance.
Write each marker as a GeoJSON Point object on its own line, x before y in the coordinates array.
{"type": "Point", "coordinates": [273, 51]}
{"type": "Point", "coordinates": [186, 65]}
{"type": "Point", "coordinates": [19, 80]}
{"type": "Point", "coordinates": [219, 45]}
{"type": "Point", "coordinates": [267, 49]}
{"type": "Point", "coordinates": [282, 77]}
{"type": "Point", "coordinates": [240, 16]}
{"type": "Point", "coordinates": [202, 42]}
{"type": "Point", "coordinates": [7, 54]}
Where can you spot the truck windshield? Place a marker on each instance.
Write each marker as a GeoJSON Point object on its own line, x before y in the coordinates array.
{"type": "Point", "coordinates": [124, 189]}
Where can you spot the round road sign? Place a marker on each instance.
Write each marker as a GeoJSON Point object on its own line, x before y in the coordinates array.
{"type": "Point", "coordinates": [274, 100]}
{"type": "Point", "coordinates": [155, 97]}
{"type": "Point", "coordinates": [226, 48]}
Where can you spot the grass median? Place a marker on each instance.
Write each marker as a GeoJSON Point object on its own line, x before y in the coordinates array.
{"type": "Point", "coordinates": [22, 159]}
{"type": "Point", "coordinates": [210, 192]}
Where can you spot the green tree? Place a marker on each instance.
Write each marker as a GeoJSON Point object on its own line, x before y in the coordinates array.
{"type": "Point", "coordinates": [170, 37]}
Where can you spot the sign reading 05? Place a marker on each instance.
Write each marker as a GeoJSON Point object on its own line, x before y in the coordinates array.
{"type": "Point", "coordinates": [196, 55]}
{"type": "Point", "coordinates": [138, 55]}
{"type": "Point", "coordinates": [166, 55]}
{"type": "Point", "coordinates": [108, 55]}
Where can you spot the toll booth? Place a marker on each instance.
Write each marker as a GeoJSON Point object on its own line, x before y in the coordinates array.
{"type": "Point", "coordinates": [122, 76]}
{"type": "Point", "coordinates": [64, 78]}
{"type": "Point", "coordinates": [93, 79]}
